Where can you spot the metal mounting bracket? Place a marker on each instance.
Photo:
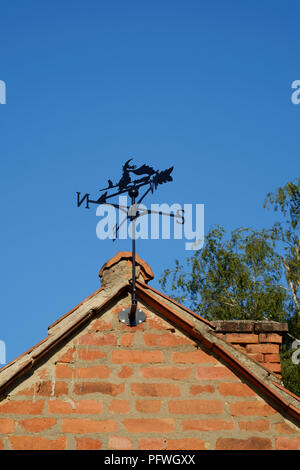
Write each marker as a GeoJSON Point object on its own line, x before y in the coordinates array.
{"type": "Point", "coordinates": [124, 317]}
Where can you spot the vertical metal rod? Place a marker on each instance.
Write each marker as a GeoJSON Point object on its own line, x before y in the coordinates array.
{"type": "Point", "coordinates": [133, 195]}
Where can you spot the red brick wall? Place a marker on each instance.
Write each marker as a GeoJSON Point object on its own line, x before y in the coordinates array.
{"type": "Point", "coordinates": [260, 340]}
{"type": "Point", "coordinates": [147, 387]}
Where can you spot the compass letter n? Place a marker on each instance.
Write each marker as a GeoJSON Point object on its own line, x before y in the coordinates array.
{"type": "Point", "coordinates": [80, 201]}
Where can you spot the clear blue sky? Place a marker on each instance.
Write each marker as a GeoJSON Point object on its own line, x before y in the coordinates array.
{"type": "Point", "coordinates": [201, 85]}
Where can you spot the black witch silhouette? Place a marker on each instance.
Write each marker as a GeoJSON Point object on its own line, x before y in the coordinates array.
{"type": "Point", "coordinates": [127, 169]}
{"type": "Point", "coordinates": [126, 181]}
{"type": "Point", "coordinates": [149, 176]}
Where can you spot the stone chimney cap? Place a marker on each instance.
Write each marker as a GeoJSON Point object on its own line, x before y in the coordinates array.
{"type": "Point", "coordinates": [249, 326]}
{"type": "Point", "coordinates": [120, 266]}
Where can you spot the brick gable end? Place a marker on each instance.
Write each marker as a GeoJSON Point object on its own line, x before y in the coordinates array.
{"type": "Point", "coordinates": [147, 387]}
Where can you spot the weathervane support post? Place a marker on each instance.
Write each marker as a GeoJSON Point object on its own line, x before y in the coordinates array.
{"type": "Point", "coordinates": [133, 193]}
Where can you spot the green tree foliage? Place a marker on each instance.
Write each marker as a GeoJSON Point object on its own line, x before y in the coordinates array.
{"type": "Point", "coordinates": [290, 371]}
{"type": "Point", "coordinates": [286, 237]}
{"type": "Point", "coordinates": [248, 274]}
{"type": "Point", "coordinates": [231, 279]}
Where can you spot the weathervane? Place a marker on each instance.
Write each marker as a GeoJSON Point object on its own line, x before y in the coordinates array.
{"type": "Point", "coordinates": [148, 177]}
